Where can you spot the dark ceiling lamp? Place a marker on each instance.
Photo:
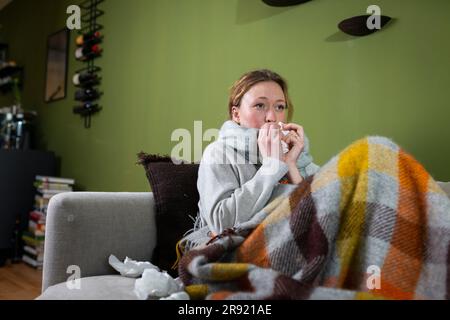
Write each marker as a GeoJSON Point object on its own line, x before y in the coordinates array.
{"type": "Point", "coordinates": [283, 3]}
{"type": "Point", "coordinates": [357, 26]}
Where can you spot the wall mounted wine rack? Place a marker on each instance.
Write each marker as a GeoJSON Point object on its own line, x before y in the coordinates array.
{"type": "Point", "coordinates": [88, 79]}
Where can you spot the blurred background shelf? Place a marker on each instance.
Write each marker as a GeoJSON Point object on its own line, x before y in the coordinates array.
{"type": "Point", "coordinates": [18, 170]}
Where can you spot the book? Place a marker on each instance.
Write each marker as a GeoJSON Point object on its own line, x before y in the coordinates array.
{"type": "Point", "coordinates": [42, 201]}
{"type": "Point", "coordinates": [38, 245]}
{"type": "Point", "coordinates": [27, 259]}
{"type": "Point", "coordinates": [47, 194]}
{"type": "Point", "coordinates": [37, 216]}
{"type": "Point", "coordinates": [55, 190]}
{"type": "Point", "coordinates": [42, 209]}
{"type": "Point", "coordinates": [36, 228]}
{"type": "Point", "coordinates": [41, 185]}
{"type": "Point", "coordinates": [33, 251]}
{"type": "Point", "coordinates": [49, 179]}
{"type": "Point", "coordinates": [36, 241]}
{"type": "Point", "coordinates": [37, 255]}
{"type": "Point", "coordinates": [34, 236]}
{"type": "Point", "coordinates": [41, 204]}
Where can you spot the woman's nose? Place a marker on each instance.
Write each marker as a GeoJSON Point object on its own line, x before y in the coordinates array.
{"type": "Point", "coordinates": [270, 116]}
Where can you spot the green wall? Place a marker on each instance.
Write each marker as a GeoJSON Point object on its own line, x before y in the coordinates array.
{"type": "Point", "coordinates": [167, 63]}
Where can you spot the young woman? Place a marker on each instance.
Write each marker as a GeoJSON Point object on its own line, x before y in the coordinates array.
{"type": "Point", "coordinates": [246, 166]}
{"type": "Point", "coordinates": [371, 207]}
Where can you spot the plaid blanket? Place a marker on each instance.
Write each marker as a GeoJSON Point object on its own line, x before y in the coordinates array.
{"type": "Point", "coordinates": [371, 224]}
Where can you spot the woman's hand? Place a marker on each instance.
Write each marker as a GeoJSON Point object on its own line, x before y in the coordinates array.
{"type": "Point", "coordinates": [295, 142]}
{"type": "Point", "coordinates": [269, 141]}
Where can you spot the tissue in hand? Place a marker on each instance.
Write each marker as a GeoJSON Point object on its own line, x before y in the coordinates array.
{"type": "Point", "coordinates": [284, 144]}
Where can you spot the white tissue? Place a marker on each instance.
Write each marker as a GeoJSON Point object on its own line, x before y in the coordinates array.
{"type": "Point", "coordinates": [284, 145]}
{"type": "Point", "coordinates": [156, 284]}
{"type": "Point", "coordinates": [130, 268]}
{"type": "Point", "coordinates": [182, 295]}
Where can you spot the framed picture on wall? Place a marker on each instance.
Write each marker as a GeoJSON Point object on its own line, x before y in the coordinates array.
{"type": "Point", "coordinates": [56, 68]}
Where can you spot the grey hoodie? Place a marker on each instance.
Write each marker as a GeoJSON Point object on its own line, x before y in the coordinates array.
{"type": "Point", "coordinates": [235, 182]}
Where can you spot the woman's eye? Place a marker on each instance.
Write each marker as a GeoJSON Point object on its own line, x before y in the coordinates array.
{"type": "Point", "coordinates": [259, 106]}
{"type": "Point", "coordinates": [281, 107]}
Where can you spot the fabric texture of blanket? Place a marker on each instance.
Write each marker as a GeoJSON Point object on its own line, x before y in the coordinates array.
{"type": "Point", "coordinates": [371, 224]}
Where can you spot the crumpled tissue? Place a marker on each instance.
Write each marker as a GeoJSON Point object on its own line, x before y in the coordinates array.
{"type": "Point", "coordinates": [130, 268]}
{"type": "Point", "coordinates": [153, 284]}
{"type": "Point", "coordinates": [182, 295]}
{"type": "Point", "coordinates": [160, 285]}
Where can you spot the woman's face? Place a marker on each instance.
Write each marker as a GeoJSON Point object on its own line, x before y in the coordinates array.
{"type": "Point", "coordinates": [264, 102]}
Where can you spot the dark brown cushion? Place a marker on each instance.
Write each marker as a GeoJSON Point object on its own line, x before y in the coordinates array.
{"type": "Point", "coordinates": [174, 187]}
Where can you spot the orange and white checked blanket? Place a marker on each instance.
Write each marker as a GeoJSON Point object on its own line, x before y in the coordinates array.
{"type": "Point", "coordinates": [371, 224]}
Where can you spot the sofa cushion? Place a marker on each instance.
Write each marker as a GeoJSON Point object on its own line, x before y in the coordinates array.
{"type": "Point", "coordinates": [110, 287]}
{"type": "Point", "coordinates": [174, 187]}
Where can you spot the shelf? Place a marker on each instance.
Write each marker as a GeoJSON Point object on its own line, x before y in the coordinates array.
{"type": "Point", "coordinates": [89, 18]}
{"type": "Point", "coordinates": [6, 87]}
{"type": "Point", "coordinates": [357, 26]}
{"type": "Point", "coordinates": [9, 71]}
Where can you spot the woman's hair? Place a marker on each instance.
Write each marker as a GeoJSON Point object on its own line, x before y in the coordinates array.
{"type": "Point", "coordinates": [249, 79]}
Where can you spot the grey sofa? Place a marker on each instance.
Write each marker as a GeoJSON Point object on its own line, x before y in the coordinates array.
{"type": "Point", "coordinates": [84, 228]}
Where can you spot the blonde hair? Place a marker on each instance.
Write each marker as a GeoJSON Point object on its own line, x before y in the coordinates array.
{"type": "Point", "coordinates": [248, 80]}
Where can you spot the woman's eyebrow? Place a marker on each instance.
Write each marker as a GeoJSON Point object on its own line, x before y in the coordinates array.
{"type": "Point", "coordinates": [282, 100]}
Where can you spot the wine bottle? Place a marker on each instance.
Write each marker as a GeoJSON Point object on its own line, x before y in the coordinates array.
{"type": "Point", "coordinates": [5, 80]}
{"type": "Point", "coordinates": [88, 52]}
{"type": "Point", "coordinates": [88, 38]}
{"type": "Point", "coordinates": [86, 108]}
{"type": "Point", "coordinates": [87, 94]}
{"type": "Point", "coordinates": [85, 78]}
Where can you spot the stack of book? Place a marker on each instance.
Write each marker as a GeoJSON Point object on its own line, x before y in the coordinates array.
{"type": "Point", "coordinates": [33, 238]}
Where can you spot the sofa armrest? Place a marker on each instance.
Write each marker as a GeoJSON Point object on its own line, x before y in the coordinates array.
{"type": "Point", "coordinates": [84, 228]}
